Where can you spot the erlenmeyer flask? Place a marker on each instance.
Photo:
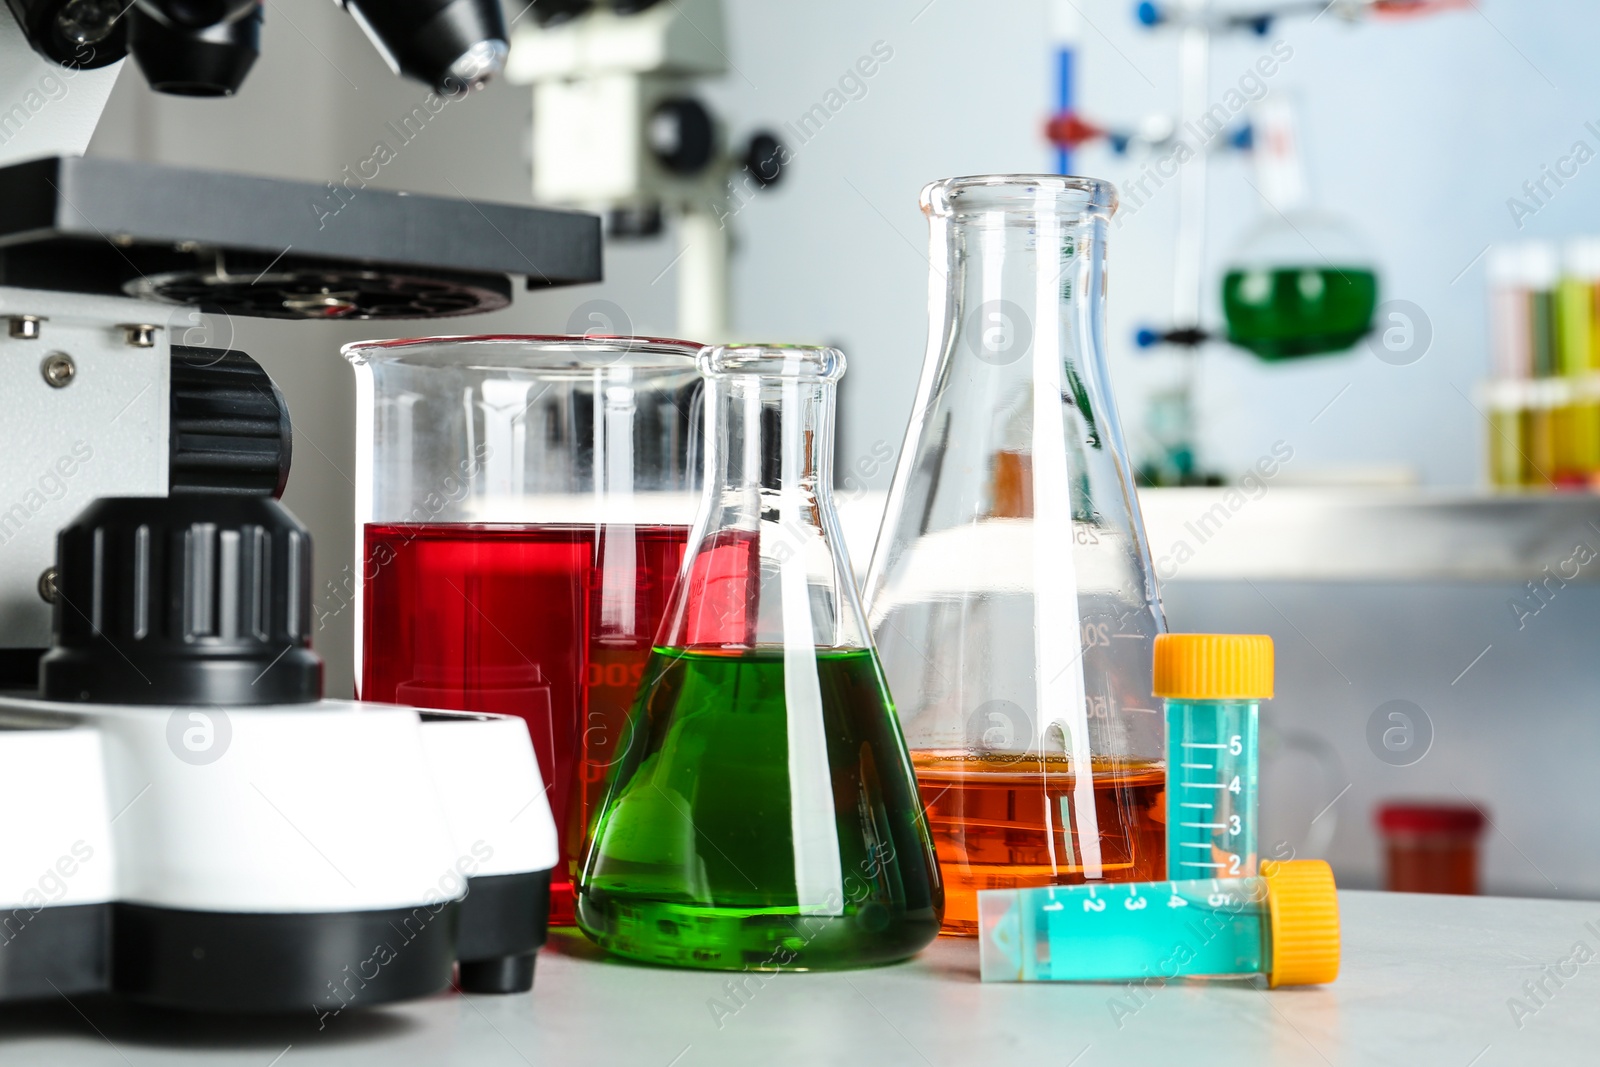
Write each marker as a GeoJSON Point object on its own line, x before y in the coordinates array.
{"type": "Point", "coordinates": [1011, 594]}
{"type": "Point", "coordinates": [765, 815]}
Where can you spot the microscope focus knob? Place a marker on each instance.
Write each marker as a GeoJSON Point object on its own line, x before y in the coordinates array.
{"type": "Point", "coordinates": [203, 598]}
{"type": "Point", "coordinates": [230, 425]}
{"type": "Point", "coordinates": [682, 135]}
{"type": "Point", "coordinates": [765, 158]}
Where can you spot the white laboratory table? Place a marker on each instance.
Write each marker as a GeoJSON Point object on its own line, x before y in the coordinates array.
{"type": "Point", "coordinates": [1426, 980]}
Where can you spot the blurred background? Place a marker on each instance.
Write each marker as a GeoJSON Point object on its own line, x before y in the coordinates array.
{"type": "Point", "coordinates": [1427, 150]}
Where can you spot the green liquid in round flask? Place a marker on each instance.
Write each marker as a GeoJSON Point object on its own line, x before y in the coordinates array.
{"type": "Point", "coordinates": [1300, 284]}
{"type": "Point", "coordinates": [1284, 312]}
{"type": "Point", "coordinates": [762, 812]}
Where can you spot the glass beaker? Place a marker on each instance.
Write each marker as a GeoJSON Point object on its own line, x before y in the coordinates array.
{"type": "Point", "coordinates": [523, 505]}
{"type": "Point", "coordinates": [1011, 594]}
{"type": "Point", "coordinates": [766, 817]}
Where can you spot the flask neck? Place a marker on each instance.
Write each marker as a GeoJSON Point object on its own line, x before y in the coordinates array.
{"type": "Point", "coordinates": [769, 437]}
{"type": "Point", "coordinates": [765, 565]}
{"type": "Point", "coordinates": [1011, 281]}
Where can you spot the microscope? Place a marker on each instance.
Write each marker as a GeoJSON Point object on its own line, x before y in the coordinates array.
{"type": "Point", "coordinates": [619, 128]}
{"type": "Point", "coordinates": [192, 825]}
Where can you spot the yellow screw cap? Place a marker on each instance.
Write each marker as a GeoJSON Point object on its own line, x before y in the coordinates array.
{"type": "Point", "coordinates": [1213, 666]}
{"type": "Point", "coordinates": [1303, 907]}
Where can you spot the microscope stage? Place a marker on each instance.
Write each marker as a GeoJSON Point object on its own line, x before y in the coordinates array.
{"type": "Point", "coordinates": [269, 248]}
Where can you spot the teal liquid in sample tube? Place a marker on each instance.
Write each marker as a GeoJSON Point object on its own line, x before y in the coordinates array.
{"type": "Point", "coordinates": [1212, 807]}
{"type": "Point", "coordinates": [1283, 923]}
{"type": "Point", "coordinates": [1113, 932]}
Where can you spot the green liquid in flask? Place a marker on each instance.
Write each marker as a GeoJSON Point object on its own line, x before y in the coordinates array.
{"type": "Point", "coordinates": [1284, 312]}
{"type": "Point", "coordinates": [745, 827]}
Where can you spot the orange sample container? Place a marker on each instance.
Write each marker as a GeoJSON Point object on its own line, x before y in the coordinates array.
{"type": "Point", "coordinates": [1431, 848]}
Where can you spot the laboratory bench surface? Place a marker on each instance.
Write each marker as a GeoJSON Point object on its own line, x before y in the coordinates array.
{"type": "Point", "coordinates": [1426, 980]}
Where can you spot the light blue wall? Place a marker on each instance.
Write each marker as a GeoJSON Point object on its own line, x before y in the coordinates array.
{"type": "Point", "coordinates": [1419, 131]}
{"type": "Point", "coordinates": [1416, 130]}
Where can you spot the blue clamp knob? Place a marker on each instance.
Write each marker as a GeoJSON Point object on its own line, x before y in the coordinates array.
{"type": "Point", "coordinates": [1145, 337]}
{"type": "Point", "coordinates": [1149, 14]}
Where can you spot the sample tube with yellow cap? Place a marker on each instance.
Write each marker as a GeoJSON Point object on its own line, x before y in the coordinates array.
{"type": "Point", "coordinates": [1283, 924]}
{"type": "Point", "coordinates": [1213, 685]}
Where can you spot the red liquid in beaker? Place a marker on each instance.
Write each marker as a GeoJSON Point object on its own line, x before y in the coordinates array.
{"type": "Point", "coordinates": [552, 623]}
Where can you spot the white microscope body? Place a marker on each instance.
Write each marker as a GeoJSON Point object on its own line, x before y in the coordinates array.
{"type": "Point", "coordinates": [177, 842]}
{"type": "Point", "coordinates": [189, 823]}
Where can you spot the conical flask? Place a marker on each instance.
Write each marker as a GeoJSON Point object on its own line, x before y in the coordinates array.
{"type": "Point", "coordinates": [765, 815]}
{"type": "Point", "coordinates": [1011, 594]}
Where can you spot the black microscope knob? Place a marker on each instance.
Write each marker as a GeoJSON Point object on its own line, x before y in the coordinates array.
{"type": "Point", "coordinates": [230, 425]}
{"type": "Point", "coordinates": [682, 135]}
{"type": "Point", "coordinates": [765, 159]}
{"type": "Point", "coordinates": [203, 598]}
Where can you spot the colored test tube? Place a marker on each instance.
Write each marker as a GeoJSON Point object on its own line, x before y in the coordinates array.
{"type": "Point", "coordinates": [1213, 685]}
{"type": "Point", "coordinates": [1283, 924]}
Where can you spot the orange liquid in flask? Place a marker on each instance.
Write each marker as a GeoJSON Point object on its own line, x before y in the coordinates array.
{"type": "Point", "coordinates": [988, 818]}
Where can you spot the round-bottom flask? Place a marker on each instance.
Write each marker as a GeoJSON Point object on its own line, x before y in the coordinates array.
{"type": "Point", "coordinates": [1300, 286]}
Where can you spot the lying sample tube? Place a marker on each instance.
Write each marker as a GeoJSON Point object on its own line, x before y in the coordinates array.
{"type": "Point", "coordinates": [1283, 924]}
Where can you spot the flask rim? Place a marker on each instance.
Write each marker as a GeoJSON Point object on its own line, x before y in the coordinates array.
{"type": "Point", "coordinates": [1026, 194]}
{"type": "Point", "coordinates": [789, 362]}
{"type": "Point", "coordinates": [581, 354]}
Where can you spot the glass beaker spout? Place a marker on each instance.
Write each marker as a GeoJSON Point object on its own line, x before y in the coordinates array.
{"type": "Point", "coordinates": [765, 814]}
{"type": "Point", "coordinates": [1011, 593]}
